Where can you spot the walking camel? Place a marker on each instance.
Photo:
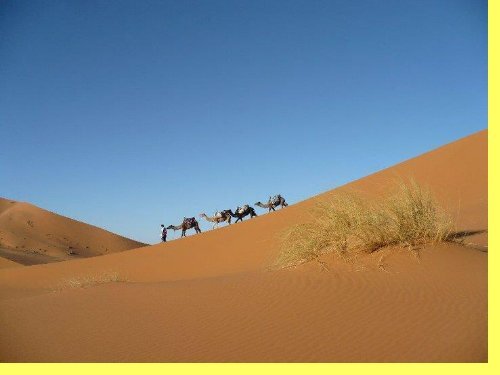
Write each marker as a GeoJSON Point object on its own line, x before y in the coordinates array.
{"type": "Point", "coordinates": [241, 212]}
{"type": "Point", "coordinates": [223, 216]}
{"type": "Point", "coordinates": [187, 223]}
{"type": "Point", "coordinates": [272, 203]}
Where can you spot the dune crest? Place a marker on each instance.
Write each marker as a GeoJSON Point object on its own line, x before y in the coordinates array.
{"type": "Point", "coordinates": [31, 235]}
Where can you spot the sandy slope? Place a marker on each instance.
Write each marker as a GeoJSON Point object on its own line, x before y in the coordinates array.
{"type": "Point", "coordinates": [210, 297]}
{"type": "Point", "coordinates": [416, 313]}
{"type": "Point", "coordinates": [6, 263]}
{"type": "Point", "coordinates": [35, 236]}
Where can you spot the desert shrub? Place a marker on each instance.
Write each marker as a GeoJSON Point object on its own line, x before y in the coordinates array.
{"type": "Point", "coordinates": [416, 217]}
{"type": "Point", "coordinates": [348, 224]}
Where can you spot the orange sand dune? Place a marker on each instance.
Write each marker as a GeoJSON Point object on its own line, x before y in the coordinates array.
{"type": "Point", "coordinates": [211, 297]}
{"type": "Point", "coordinates": [5, 263]}
{"type": "Point", "coordinates": [416, 312]}
{"type": "Point", "coordinates": [31, 235]}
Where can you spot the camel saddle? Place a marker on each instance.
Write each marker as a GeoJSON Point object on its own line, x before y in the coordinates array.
{"type": "Point", "coordinates": [242, 209]}
{"type": "Point", "coordinates": [275, 199]}
{"type": "Point", "coordinates": [190, 221]}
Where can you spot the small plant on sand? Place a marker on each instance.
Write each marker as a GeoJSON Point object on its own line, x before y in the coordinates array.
{"type": "Point", "coordinates": [348, 225]}
{"type": "Point", "coordinates": [91, 280]}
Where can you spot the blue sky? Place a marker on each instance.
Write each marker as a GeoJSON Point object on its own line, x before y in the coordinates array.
{"type": "Point", "coordinates": [128, 114]}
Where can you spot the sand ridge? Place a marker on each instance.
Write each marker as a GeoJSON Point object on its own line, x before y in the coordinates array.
{"type": "Point", "coordinates": [39, 236]}
{"type": "Point", "coordinates": [254, 244]}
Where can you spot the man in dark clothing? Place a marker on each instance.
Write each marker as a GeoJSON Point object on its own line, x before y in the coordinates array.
{"type": "Point", "coordinates": [163, 233]}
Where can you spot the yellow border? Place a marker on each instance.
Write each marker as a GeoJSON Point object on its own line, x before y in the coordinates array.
{"type": "Point", "coordinates": [493, 181]}
{"type": "Point", "coordinates": [383, 369]}
{"type": "Point", "coordinates": [245, 369]}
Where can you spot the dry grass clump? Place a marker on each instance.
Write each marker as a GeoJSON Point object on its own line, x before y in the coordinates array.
{"type": "Point", "coordinates": [91, 280]}
{"type": "Point", "coordinates": [348, 225]}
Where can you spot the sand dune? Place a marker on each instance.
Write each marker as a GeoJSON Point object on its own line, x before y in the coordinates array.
{"type": "Point", "coordinates": [31, 235]}
{"type": "Point", "coordinates": [416, 313]}
{"type": "Point", "coordinates": [5, 263]}
{"type": "Point", "coordinates": [212, 297]}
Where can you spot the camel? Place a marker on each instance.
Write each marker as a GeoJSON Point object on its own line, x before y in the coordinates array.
{"type": "Point", "coordinates": [187, 223]}
{"type": "Point", "coordinates": [225, 216]}
{"type": "Point", "coordinates": [272, 203]}
{"type": "Point", "coordinates": [241, 212]}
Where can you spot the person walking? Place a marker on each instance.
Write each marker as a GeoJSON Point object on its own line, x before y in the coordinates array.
{"type": "Point", "coordinates": [163, 233]}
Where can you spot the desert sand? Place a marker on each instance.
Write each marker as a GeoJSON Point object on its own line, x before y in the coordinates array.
{"type": "Point", "coordinates": [215, 297]}
{"type": "Point", "coordinates": [32, 235]}
{"type": "Point", "coordinates": [4, 263]}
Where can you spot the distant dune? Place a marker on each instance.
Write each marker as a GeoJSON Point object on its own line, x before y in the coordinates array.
{"type": "Point", "coordinates": [213, 297]}
{"type": "Point", "coordinates": [31, 235]}
{"type": "Point", "coordinates": [5, 263]}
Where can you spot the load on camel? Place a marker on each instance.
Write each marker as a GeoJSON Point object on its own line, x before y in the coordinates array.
{"type": "Point", "coordinates": [187, 223]}
{"type": "Point", "coordinates": [219, 217]}
{"type": "Point", "coordinates": [243, 211]}
{"type": "Point", "coordinates": [273, 202]}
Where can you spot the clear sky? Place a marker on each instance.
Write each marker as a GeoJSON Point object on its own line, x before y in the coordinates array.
{"type": "Point", "coordinates": [129, 114]}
